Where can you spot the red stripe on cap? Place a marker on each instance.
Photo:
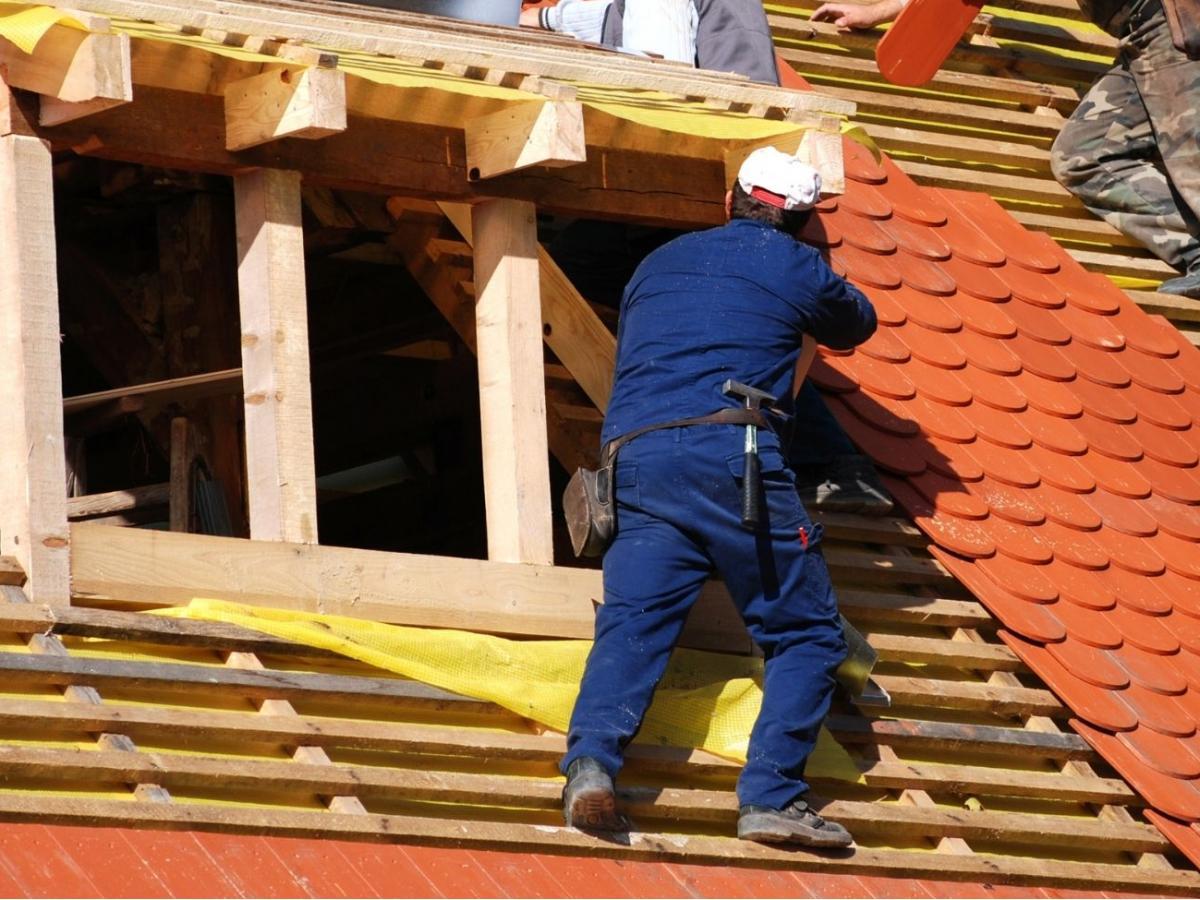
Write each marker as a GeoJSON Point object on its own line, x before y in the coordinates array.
{"type": "Point", "coordinates": [769, 197]}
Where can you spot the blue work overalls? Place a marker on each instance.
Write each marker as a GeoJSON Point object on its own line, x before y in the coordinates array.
{"type": "Point", "coordinates": [731, 302]}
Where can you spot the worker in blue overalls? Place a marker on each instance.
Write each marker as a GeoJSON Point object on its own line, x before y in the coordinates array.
{"type": "Point", "coordinates": [728, 305]}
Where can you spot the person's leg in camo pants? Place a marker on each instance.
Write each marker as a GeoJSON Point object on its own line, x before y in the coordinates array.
{"type": "Point", "coordinates": [1131, 149]}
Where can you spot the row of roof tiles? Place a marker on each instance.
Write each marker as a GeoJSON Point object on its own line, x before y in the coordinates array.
{"type": "Point", "coordinates": [1044, 432]}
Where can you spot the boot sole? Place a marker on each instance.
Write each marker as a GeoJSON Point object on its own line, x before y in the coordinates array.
{"type": "Point", "coordinates": [595, 809]}
{"type": "Point", "coordinates": [767, 830]}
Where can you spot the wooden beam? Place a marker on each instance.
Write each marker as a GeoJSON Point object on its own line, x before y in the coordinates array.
{"type": "Point", "coordinates": [280, 468]}
{"type": "Point", "coordinates": [573, 331]}
{"type": "Point", "coordinates": [289, 101]}
{"type": "Point", "coordinates": [138, 568]}
{"type": "Point", "coordinates": [33, 501]}
{"type": "Point", "coordinates": [158, 393]}
{"type": "Point", "coordinates": [77, 73]}
{"type": "Point", "coordinates": [11, 572]}
{"type": "Point", "coordinates": [384, 156]}
{"type": "Point", "coordinates": [522, 135]}
{"type": "Point", "coordinates": [179, 501]}
{"type": "Point", "coordinates": [118, 501]}
{"type": "Point", "coordinates": [512, 383]}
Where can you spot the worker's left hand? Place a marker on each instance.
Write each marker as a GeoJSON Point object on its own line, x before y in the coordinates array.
{"type": "Point", "coordinates": [847, 16]}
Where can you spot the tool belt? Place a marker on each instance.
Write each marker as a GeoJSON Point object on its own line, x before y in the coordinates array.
{"type": "Point", "coordinates": [1183, 17]}
{"type": "Point", "coordinates": [588, 501]}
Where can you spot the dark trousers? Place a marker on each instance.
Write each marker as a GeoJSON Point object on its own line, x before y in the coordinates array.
{"type": "Point", "coordinates": [678, 519]}
{"type": "Point", "coordinates": [1131, 149]}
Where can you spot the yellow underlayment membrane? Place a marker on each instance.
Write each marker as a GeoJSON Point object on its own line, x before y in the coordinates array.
{"type": "Point", "coordinates": [706, 701]}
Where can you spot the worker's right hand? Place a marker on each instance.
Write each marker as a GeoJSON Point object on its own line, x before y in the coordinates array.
{"type": "Point", "coordinates": [857, 15]}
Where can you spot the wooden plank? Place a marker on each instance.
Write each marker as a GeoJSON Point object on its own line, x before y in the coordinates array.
{"type": "Point", "coordinates": [512, 383]}
{"type": "Point", "coordinates": [876, 606]}
{"type": "Point", "coordinates": [288, 101]}
{"type": "Point", "coordinates": [179, 488]}
{"type": "Point", "coordinates": [1177, 309]}
{"type": "Point", "coordinates": [76, 72]}
{"type": "Point", "coordinates": [949, 737]}
{"type": "Point", "coordinates": [542, 838]}
{"type": "Point", "coordinates": [280, 466]}
{"type": "Point", "coordinates": [177, 772]}
{"type": "Point", "coordinates": [872, 568]}
{"type": "Point", "coordinates": [198, 728]}
{"type": "Point", "coordinates": [389, 32]}
{"type": "Point", "coordinates": [158, 393]}
{"type": "Point", "coordinates": [118, 501]}
{"type": "Point", "coordinates": [182, 678]}
{"type": "Point", "coordinates": [944, 652]}
{"type": "Point", "coordinates": [33, 508]}
{"type": "Point", "coordinates": [990, 781]}
{"type": "Point", "coordinates": [871, 529]}
{"type": "Point", "coordinates": [571, 328]}
{"type": "Point", "coordinates": [142, 628]}
{"type": "Point", "coordinates": [999, 700]}
{"type": "Point", "coordinates": [137, 568]}
{"type": "Point", "coordinates": [526, 134]}
{"type": "Point", "coordinates": [385, 156]}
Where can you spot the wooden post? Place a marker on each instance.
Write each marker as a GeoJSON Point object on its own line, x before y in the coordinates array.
{"type": "Point", "coordinates": [33, 500]}
{"type": "Point", "coordinates": [512, 382]}
{"type": "Point", "coordinates": [282, 484]}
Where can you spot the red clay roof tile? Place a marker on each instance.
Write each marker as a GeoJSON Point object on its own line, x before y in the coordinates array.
{"type": "Point", "coordinates": [860, 163]}
{"type": "Point", "coordinates": [1081, 587]}
{"type": "Point", "coordinates": [918, 240]}
{"type": "Point", "coordinates": [1102, 707]}
{"type": "Point", "coordinates": [988, 354]}
{"type": "Point", "coordinates": [861, 232]}
{"type": "Point", "coordinates": [865, 200]}
{"type": "Point", "coordinates": [1090, 626]}
{"type": "Point", "coordinates": [869, 269]}
{"type": "Point", "coordinates": [910, 201]}
{"type": "Point", "coordinates": [939, 385]}
{"type": "Point", "coordinates": [885, 345]}
{"type": "Point", "coordinates": [1173, 796]}
{"type": "Point", "coordinates": [1162, 410]}
{"type": "Point", "coordinates": [1151, 671]}
{"type": "Point", "coordinates": [1031, 620]}
{"type": "Point", "coordinates": [821, 231]}
{"type": "Point", "coordinates": [830, 379]}
{"type": "Point", "coordinates": [1037, 323]}
{"type": "Point", "coordinates": [1089, 663]}
{"type": "Point", "coordinates": [1143, 631]}
{"type": "Point", "coordinates": [988, 216]}
{"type": "Point", "coordinates": [966, 241]}
{"type": "Point", "coordinates": [1184, 836]}
{"type": "Point", "coordinates": [977, 280]}
{"type": "Point", "coordinates": [1102, 437]}
{"type": "Point", "coordinates": [950, 459]}
{"type": "Point", "coordinates": [1065, 507]}
{"type": "Point", "coordinates": [1169, 481]}
{"type": "Point", "coordinates": [1104, 403]}
{"type": "Point", "coordinates": [1016, 541]}
{"type": "Point", "coordinates": [1055, 464]}
{"type": "Point", "coordinates": [1053, 432]}
{"type": "Point", "coordinates": [929, 278]}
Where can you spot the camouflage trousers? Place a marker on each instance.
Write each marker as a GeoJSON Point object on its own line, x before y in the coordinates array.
{"type": "Point", "coordinates": [1131, 149]}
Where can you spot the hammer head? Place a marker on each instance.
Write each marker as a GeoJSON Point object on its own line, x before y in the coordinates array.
{"type": "Point", "coordinates": [753, 397]}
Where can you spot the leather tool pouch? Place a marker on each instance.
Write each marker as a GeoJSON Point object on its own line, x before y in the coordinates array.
{"type": "Point", "coordinates": [589, 506]}
{"type": "Point", "coordinates": [589, 502]}
{"type": "Point", "coordinates": [1183, 17]}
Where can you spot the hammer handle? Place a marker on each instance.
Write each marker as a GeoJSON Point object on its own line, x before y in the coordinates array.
{"type": "Point", "coordinates": [750, 491]}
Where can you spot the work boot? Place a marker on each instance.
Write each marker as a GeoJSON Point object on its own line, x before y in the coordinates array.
{"type": "Point", "coordinates": [1184, 286]}
{"type": "Point", "coordinates": [589, 799]}
{"type": "Point", "coordinates": [796, 823]}
{"type": "Point", "coordinates": [848, 484]}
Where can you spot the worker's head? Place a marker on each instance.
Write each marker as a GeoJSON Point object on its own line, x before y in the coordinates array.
{"type": "Point", "coordinates": [775, 188]}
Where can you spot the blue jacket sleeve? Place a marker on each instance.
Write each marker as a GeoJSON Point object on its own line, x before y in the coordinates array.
{"type": "Point", "coordinates": [839, 315]}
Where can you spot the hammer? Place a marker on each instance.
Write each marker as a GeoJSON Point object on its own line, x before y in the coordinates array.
{"type": "Point", "coordinates": [754, 399]}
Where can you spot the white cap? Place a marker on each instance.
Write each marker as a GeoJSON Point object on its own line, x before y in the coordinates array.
{"type": "Point", "coordinates": [780, 179]}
